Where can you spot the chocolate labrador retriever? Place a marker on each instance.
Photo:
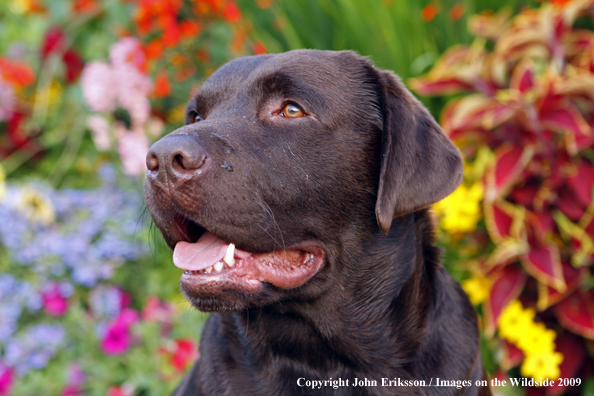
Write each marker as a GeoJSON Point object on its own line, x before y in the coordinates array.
{"type": "Point", "coordinates": [295, 199]}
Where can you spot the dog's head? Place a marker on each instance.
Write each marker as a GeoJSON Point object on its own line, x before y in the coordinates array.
{"type": "Point", "coordinates": [286, 163]}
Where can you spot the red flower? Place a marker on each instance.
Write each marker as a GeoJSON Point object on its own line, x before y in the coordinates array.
{"type": "Point", "coordinates": [74, 65]}
{"type": "Point", "coordinates": [53, 41]}
{"type": "Point", "coordinates": [259, 48]}
{"type": "Point", "coordinates": [86, 6]}
{"type": "Point", "coordinates": [231, 12]}
{"type": "Point", "coordinates": [429, 12]}
{"type": "Point", "coordinates": [181, 353]}
{"type": "Point", "coordinates": [162, 86]}
{"type": "Point", "coordinates": [457, 11]}
{"type": "Point", "coordinates": [118, 391]}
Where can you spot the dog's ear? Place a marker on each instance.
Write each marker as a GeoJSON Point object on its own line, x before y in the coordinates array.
{"type": "Point", "coordinates": [419, 164]}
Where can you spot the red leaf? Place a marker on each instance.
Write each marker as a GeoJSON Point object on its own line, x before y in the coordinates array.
{"type": "Point", "coordinates": [573, 352]}
{"type": "Point", "coordinates": [510, 161]}
{"type": "Point", "coordinates": [507, 285]}
{"type": "Point", "coordinates": [566, 202]}
{"type": "Point", "coordinates": [447, 86]}
{"type": "Point", "coordinates": [524, 195]}
{"type": "Point", "coordinates": [547, 296]}
{"type": "Point", "coordinates": [544, 263]}
{"type": "Point", "coordinates": [582, 182]}
{"type": "Point", "coordinates": [565, 119]}
{"type": "Point", "coordinates": [523, 77]}
{"type": "Point", "coordinates": [512, 356]}
{"type": "Point", "coordinates": [503, 220]}
{"type": "Point", "coordinates": [575, 313]}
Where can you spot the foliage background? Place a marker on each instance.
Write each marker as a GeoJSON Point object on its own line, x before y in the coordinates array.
{"type": "Point", "coordinates": [102, 288]}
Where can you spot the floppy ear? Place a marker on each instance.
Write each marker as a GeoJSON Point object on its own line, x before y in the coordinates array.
{"type": "Point", "coordinates": [419, 165]}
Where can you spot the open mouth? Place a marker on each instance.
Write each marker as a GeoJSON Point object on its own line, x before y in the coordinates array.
{"type": "Point", "coordinates": [209, 261]}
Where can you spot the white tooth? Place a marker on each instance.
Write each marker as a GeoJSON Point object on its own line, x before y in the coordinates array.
{"type": "Point", "coordinates": [229, 259]}
{"type": "Point", "coordinates": [208, 270]}
{"type": "Point", "coordinates": [218, 266]}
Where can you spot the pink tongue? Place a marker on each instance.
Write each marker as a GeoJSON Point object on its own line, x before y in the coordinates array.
{"type": "Point", "coordinates": [200, 255]}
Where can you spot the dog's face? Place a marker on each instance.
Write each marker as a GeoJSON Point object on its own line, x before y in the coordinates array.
{"type": "Point", "coordinates": [294, 159]}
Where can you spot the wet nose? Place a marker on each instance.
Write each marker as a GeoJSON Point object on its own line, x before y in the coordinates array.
{"type": "Point", "coordinates": [178, 156]}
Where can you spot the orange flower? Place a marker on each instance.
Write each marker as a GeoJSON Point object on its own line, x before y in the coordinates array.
{"type": "Point", "coordinates": [190, 29]}
{"type": "Point", "coordinates": [457, 11]}
{"type": "Point", "coordinates": [231, 12]}
{"type": "Point", "coordinates": [162, 86]}
{"type": "Point", "coordinates": [154, 49]}
{"type": "Point", "coordinates": [259, 48]}
{"type": "Point", "coordinates": [560, 3]}
{"type": "Point", "coordinates": [85, 6]}
{"type": "Point", "coordinates": [264, 3]}
{"type": "Point", "coordinates": [16, 73]}
{"type": "Point", "coordinates": [202, 55]}
{"type": "Point", "coordinates": [429, 12]}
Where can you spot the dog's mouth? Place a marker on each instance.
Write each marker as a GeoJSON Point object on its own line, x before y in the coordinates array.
{"type": "Point", "coordinates": [210, 263]}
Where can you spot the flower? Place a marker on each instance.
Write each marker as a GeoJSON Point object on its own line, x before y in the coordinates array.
{"type": "Point", "coordinates": [7, 100]}
{"type": "Point", "coordinates": [477, 288]}
{"type": "Point", "coordinates": [35, 207]}
{"type": "Point", "coordinates": [16, 73]}
{"type": "Point", "coordinates": [6, 379]}
{"type": "Point", "coordinates": [117, 339]}
{"type": "Point", "coordinates": [98, 87]}
{"type": "Point", "coordinates": [54, 302]}
{"type": "Point", "coordinates": [99, 127]}
{"type": "Point", "coordinates": [461, 211]}
{"type": "Point", "coordinates": [162, 86]}
{"type": "Point", "coordinates": [2, 174]}
{"type": "Point", "coordinates": [34, 348]}
{"type": "Point", "coordinates": [133, 148]}
{"type": "Point", "coordinates": [429, 12]}
{"type": "Point", "coordinates": [119, 391]}
{"type": "Point", "coordinates": [514, 321]}
{"type": "Point", "coordinates": [536, 339]}
{"type": "Point", "coordinates": [544, 364]}
{"type": "Point", "coordinates": [181, 353]}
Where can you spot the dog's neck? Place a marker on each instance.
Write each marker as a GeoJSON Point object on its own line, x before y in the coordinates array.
{"type": "Point", "coordinates": [353, 324]}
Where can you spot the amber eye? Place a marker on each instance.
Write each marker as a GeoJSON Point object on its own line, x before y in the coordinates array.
{"type": "Point", "coordinates": [194, 117]}
{"type": "Point", "coordinates": [291, 110]}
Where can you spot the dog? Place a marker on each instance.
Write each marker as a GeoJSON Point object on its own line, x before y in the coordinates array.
{"type": "Point", "coordinates": [296, 201]}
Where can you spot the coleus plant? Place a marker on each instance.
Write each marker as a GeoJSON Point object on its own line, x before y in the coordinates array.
{"type": "Point", "coordinates": [525, 90]}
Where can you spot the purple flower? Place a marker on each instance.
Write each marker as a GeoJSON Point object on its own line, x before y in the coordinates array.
{"type": "Point", "coordinates": [34, 348]}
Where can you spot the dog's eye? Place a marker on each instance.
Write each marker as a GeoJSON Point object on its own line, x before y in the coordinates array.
{"type": "Point", "coordinates": [194, 117]}
{"type": "Point", "coordinates": [291, 110]}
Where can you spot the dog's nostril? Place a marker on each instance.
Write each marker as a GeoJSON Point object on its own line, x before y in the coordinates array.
{"type": "Point", "coordinates": [188, 161]}
{"type": "Point", "coordinates": [152, 162]}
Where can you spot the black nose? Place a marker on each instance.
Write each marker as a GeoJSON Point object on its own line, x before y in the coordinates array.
{"type": "Point", "coordinates": [177, 156]}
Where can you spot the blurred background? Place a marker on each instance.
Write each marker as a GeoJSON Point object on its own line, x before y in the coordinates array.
{"type": "Point", "coordinates": [89, 302]}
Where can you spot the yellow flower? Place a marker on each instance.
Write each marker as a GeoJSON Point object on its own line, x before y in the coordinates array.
{"type": "Point", "coordinates": [36, 207]}
{"type": "Point", "coordinates": [542, 365]}
{"type": "Point", "coordinates": [461, 211]}
{"type": "Point", "coordinates": [21, 6]}
{"type": "Point", "coordinates": [477, 289]}
{"type": "Point", "coordinates": [2, 182]}
{"type": "Point", "coordinates": [48, 96]}
{"type": "Point", "coordinates": [537, 339]}
{"type": "Point", "coordinates": [177, 114]}
{"type": "Point", "coordinates": [514, 321]}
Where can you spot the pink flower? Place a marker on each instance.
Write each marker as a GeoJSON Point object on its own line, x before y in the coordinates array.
{"type": "Point", "coordinates": [118, 338]}
{"type": "Point", "coordinates": [118, 391]}
{"type": "Point", "coordinates": [132, 148]}
{"type": "Point", "coordinates": [99, 127]}
{"type": "Point", "coordinates": [6, 379]}
{"type": "Point", "coordinates": [162, 312]}
{"type": "Point", "coordinates": [127, 51]}
{"type": "Point", "coordinates": [7, 100]}
{"type": "Point", "coordinates": [99, 86]}
{"type": "Point", "coordinates": [132, 89]}
{"type": "Point", "coordinates": [54, 303]}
